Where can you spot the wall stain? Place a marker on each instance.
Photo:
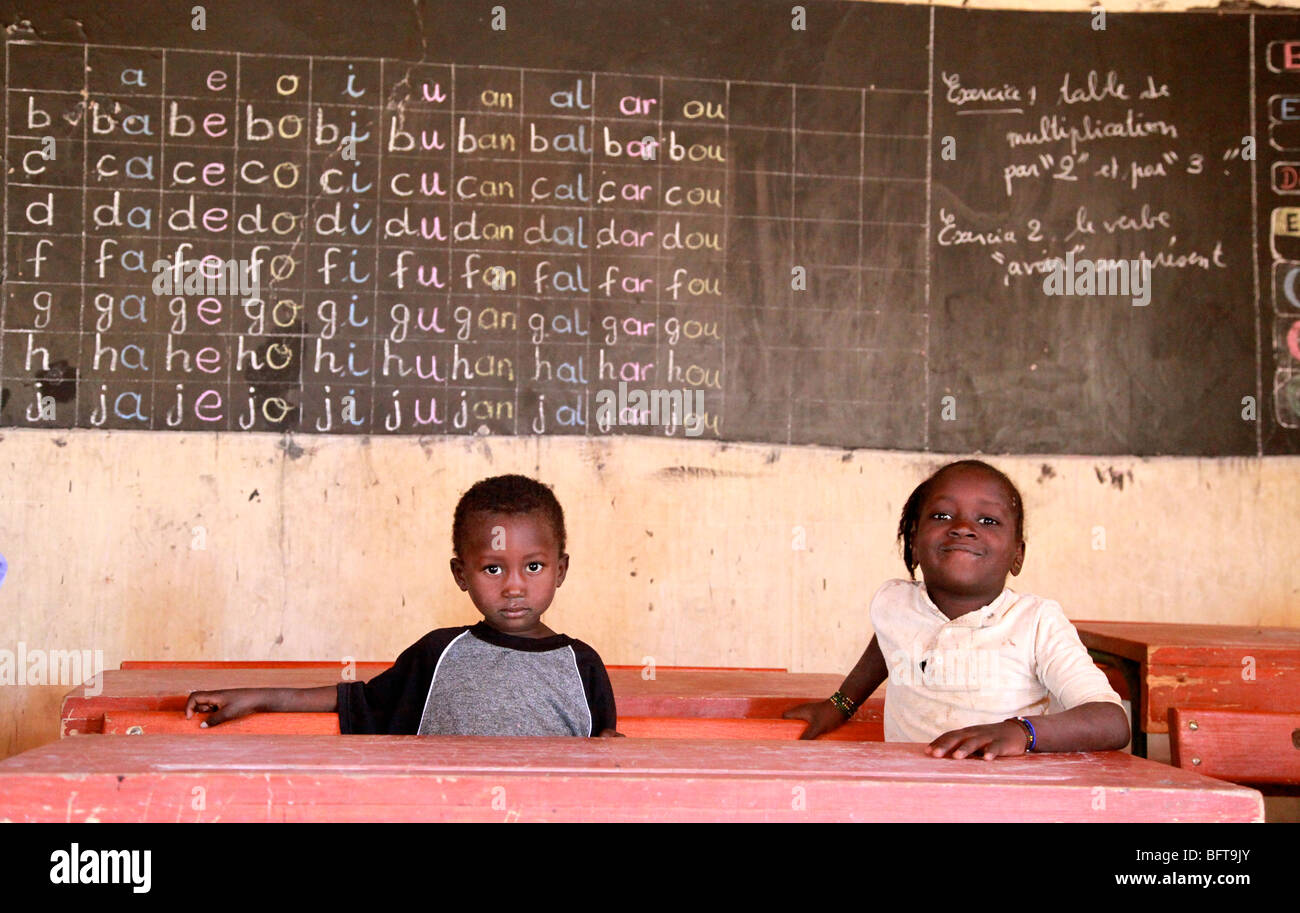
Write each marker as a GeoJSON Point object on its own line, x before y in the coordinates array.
{"type": "Point", "coordinates": [593, 454]}
{"type": "Point", "coordinates": [1115, 477]}
{"type": "Point", "coordinates": [698, 472]}
{"type": "Point", "coordinates": [290, 448]}
{"type": "Point", "coordinates": [478, 442]}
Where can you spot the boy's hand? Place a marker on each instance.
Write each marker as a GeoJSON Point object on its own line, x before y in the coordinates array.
{"type": "Point", "coordinates": [228, 704]}
{"type": "Point", "coordinates": [822, 717]}
{"type": "Point", "coordinates": [1003, 740]}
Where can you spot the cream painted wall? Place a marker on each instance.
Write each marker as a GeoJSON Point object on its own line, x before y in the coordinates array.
{"type": "Point", "coordinates": [683, 551]}
{"type": "Point", "coordinates": [325, 547]}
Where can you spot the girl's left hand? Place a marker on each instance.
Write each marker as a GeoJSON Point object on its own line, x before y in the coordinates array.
{"type": "Point", "coordinates": [1005, 740]}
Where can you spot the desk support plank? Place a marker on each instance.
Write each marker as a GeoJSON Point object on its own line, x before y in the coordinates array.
{"type": "Point", "coordinates": [708, 693]}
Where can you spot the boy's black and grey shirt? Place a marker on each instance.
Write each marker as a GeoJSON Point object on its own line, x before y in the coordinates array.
{"type": "Point", "coordinates": [475, 680]}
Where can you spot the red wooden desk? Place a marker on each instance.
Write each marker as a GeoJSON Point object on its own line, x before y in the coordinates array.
{"type": "Point", "coordinates": [672, 693]}
{"type": "Point", "coordinates": [1174, 665]}
{"type": "Point", "coordinates": [467, 778]}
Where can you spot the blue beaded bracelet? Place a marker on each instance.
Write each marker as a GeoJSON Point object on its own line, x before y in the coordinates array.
{"type": "Point", "coordinates": [1033, 736]}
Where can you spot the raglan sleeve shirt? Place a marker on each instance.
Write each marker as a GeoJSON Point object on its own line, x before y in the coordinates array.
{"type": "Point", "coordinates": [392, 702]}
{"type": "Point", "coordinates": [401, 700]}
{"type": "Point", "coordinates": [596, 684]}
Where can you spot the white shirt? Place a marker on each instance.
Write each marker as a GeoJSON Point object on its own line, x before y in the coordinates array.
{"type": "Point", "coordinates": [1017, 656]}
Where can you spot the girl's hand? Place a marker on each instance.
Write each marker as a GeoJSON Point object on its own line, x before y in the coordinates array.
{"type": "Point", "coordinates": [996, 740]}
{"type": "Point", "coordinates": [228, 704]}
{"type": "Point", "coordinates": [822, 717]}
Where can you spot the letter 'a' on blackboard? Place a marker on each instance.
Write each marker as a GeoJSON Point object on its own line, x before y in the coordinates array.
{"type": "Point", "coordinates": [360, 220]}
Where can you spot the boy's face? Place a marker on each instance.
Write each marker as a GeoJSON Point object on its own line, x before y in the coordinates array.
{"type": "Point", "coordinates": [966, 539]}
{"type": "Point", "coordinates": [511, 566]}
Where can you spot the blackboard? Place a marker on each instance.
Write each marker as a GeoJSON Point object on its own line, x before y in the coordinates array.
{"type": "Point", "coordinates": [834, 229]}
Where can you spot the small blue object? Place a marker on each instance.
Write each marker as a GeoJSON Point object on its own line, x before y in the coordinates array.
{"type": "Point", "coordinates": [1033, 735]}
{"type": "Point", "coordinates": [4, 568]}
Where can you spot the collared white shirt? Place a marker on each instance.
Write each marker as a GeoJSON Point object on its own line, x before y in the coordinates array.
{"type": "Point", "coordinates": [1017, 656]}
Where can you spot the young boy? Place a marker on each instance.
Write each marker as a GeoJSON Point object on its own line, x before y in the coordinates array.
{"type": "Point", "coordinates": [507, 675]}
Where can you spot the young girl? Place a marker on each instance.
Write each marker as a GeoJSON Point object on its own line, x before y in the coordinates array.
{"type": "Point", "coordinates": [971, 664]}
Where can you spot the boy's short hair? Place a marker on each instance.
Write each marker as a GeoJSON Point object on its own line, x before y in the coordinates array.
{"type": "Point", "coordinates": [508, 494]}
{"type": "Point", "coordinates": [911, 516]}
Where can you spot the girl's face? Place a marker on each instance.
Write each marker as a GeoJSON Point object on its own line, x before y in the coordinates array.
{"type": "Point", "coordinates": [511, 566]}
{"type": "Point", "coordinates": [966, 540]}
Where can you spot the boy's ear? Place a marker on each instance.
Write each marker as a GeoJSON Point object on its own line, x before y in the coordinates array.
{"type": "Point", "coordinates": [458, 572]}
{"type": "Point", "coordinates": [561, 570]}
{"type": "Point", "coordinates": [1020, 559]}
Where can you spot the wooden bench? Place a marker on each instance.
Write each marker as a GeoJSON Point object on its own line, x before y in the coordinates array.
{"type": "Point", "coordinates": [465, 778]}
{"type": "Point", "coordinates": [714, 694]}
{"type": "Point", "coordinates": [1243, 746]}
{"type": "Point", "coordinates": [145, 722]}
